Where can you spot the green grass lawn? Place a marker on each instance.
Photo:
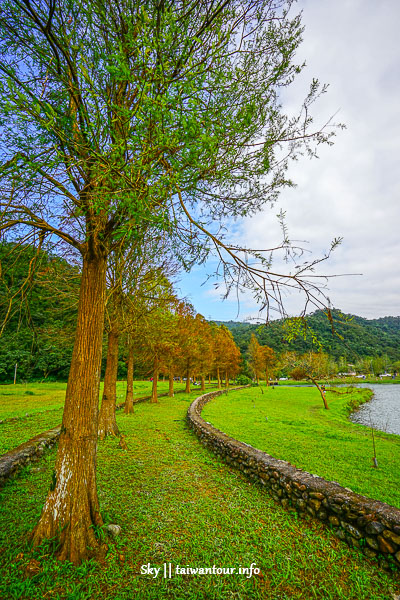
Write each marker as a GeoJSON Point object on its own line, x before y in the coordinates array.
{"type": "Point", "coordinates": [292, 424]}
{"type": "Point", "coordinates": [176, 503]}
{"type": "Point", "coordinates": [43, 403]}
{"type": "Point", "coordinates": [30, 398]}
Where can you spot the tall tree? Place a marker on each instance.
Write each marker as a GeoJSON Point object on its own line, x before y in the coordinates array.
{"type": "Point", "coordinates": [172, 359]}
{"type": "Point", "coordinates": [256, 357]}
{"type": "Point", "coordinates": [107, 417]}
{"type": "Point", "coordinates": [156, 342]}
{"type": "Point", "coordinates": [269, 362]}
{"type": "Point", "coordinates": [188, 342]}
{"type": "Point", "coordinates": [205, 349]}
{"type": "Point", "coordinates": [116, 114]}
{"type": "Point", "coordinates": [230, 358]}
{"type": "Point", "coordinates": [313, 366]}
{"type": "Point", "coordinates": [150, 291]}
{"type": "Point", "coordinates": [137, 285]}
{"type": "Point", "coordinates": [226, 354]}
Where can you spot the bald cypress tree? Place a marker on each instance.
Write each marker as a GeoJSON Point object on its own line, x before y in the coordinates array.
{"type": "Point", "coordinates": [116, 115]}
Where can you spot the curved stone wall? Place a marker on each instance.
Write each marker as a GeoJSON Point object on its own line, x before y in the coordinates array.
{"type": "Point", "coordinates": [26, 453]}
{"type": "Point", "coordinates": [370, 525]}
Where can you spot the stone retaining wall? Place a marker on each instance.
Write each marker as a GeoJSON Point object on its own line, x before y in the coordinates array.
{"type": "Point", "coordinates": [370, 525]}
{"type": "Point", "coordinates": [26, 453]}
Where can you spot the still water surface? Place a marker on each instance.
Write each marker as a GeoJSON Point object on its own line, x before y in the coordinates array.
{"type": "Point", "coordinates": [383, 410]}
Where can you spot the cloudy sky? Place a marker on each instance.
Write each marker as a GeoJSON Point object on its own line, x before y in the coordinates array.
{"type": "Point", "coordinates": [353, 189]}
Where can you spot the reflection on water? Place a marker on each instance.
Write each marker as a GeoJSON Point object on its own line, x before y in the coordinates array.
{"type": "Point", "coordinates": [383, 410]}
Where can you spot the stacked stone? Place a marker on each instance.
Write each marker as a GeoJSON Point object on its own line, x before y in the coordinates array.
{"type": "Point", "coordinates": [363, 523]}
{"type": "Point", "coordinates": [26, 453]}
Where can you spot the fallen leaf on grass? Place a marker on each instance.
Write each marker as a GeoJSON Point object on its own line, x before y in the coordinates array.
{"type": "Point", "coordinates": [33, 567]}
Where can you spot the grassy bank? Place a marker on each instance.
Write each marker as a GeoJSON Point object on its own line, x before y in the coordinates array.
{"type": "Point", "coordinates": [31, 398]}
{"type": "Point", "coordinates": [292, 424]}
{"type": "Point", "coordinates": [43, 403]}
{"type": "Point", "coordinates": [177, 504]}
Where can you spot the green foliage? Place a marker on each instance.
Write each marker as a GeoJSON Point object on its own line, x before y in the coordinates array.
{"type": "Point", "coordinates": [298, 327]}
{"type": "Point", "coordinates": [120, 117]}
{"type": "Point", "coordinates": [38, 305]}
{"type": "Point", "coordinates": [242, 380]}
{"type": "Point", "coordinates": [359, 338]}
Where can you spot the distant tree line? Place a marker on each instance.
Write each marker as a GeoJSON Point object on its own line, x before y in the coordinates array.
{"type": "Point", "coordinates": [38, 308]}
{"type": "Point", "coordinates": [367, 345]}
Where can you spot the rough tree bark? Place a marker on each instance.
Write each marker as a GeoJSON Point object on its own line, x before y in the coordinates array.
{"type": "Point", "coordinates": [171, 384]}
{"type": "Point", "coordinates": [107, 418]}
{"type": "Point", "coordinates": [71, 508]}
{"type": "Point", "coordinates": [129, 383]}
{"type": "Point", "coordinates": [218, 379]}
{"type": "Point", "coordinates": [187, 387]}
{"type": "Point", "coordinates": [154, 397]}
{"type": "Point", "coordinates": [203, 384]}
{"type": "Point", "coordinates": [321, 391]}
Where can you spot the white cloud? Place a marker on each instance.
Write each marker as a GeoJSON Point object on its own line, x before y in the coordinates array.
{"type": "Point", "coordinates": [353, 190]}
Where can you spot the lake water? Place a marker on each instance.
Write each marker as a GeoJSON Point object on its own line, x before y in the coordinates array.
{"type": "Point", "coordinates": [383, 410]}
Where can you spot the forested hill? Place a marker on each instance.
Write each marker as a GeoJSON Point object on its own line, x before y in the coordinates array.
{"type": "Point", "coordinates": [38, 302]}
{"type": "Point", "coordinates": [39, 297]}
{"type": "Point", "coordinates": [362, 337]}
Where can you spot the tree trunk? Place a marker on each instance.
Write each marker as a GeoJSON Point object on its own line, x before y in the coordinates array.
{"type": "Point", "coordinates": [321, 391]}
{"type": "Point", "coordinates": [218, 379]}
{"type": "Point", "coordinates": [226, 379]}
{"type": "Point", "coordinates": [71, 508]}
{"type": "Point", "coordinates": [129, 383]}
{"type": "Point", "coordinates": [203, 384]}
{"type": "Point", "coordinates": [187, 388]}
{"type": "Point", "coordinates": [171, 384]}
{"type": "Point", "coordinates": [209, 379]}
{"type": "Point", "coordinates": [266, 377]}
{"type": "Point", "coordinates": [154, 397]}
{"type": "Point", "coordinates": [107, 419]}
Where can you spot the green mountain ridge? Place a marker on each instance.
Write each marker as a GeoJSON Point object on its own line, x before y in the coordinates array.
{"type": "Point", "coordinates": [361, 337]}
{"type": "Point", "coordinates": [38, 315]}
